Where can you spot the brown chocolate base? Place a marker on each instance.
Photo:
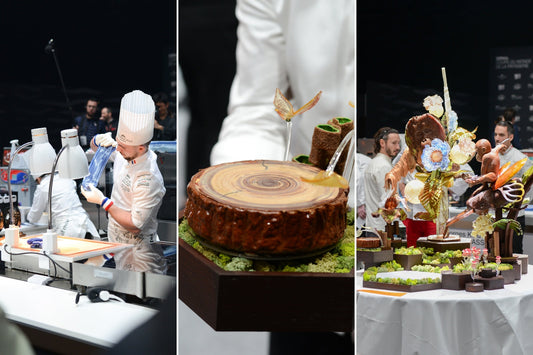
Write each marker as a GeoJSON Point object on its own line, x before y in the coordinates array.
{"type": "Point", "coordinates": [263, 207]}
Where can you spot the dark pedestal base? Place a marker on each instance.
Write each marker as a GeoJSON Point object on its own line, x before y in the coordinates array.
{"type": "Point", "coordinates": [374, 258]}
{"type": "Point", "coordinates": [492, 283]}
{"type": "Point", "coordinates": [474, 287]}
{"type": "Point", "coordinates": [408, 261]}
{"type": "Point", "coordinates": [439, 246]}
{"type": "Point", "coordinates": [455, 281]}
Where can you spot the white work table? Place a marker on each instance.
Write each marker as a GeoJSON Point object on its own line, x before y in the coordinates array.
{"type": "Point", "coordinates": [53, 311]}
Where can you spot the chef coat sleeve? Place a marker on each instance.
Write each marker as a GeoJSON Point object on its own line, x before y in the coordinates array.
{"type": "Point", "coordinates": [148, 192]}
{"type": "Point", "coordinates": [40, 200]}
{"type": "Point", "coordinates": [253, 130]}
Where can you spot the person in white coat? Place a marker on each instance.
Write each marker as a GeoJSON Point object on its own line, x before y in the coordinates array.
{"type": "Point", "coordinates": [69, 218]}
{"type": "Point", "coordinates": [300, 47]}
{"type": "Point", "coordinates": [138, 188]}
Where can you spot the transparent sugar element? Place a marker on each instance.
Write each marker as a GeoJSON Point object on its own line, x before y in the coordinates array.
{"type": "Point", "coordinates": [97, 166]}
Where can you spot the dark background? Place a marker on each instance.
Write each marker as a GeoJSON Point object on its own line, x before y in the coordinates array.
{"type": "Point", "coordinates": [104, 48]}
{"type": "Point", "coordinates": [207, 44]}
{"type": "Point", "coordinates": [402, 45]}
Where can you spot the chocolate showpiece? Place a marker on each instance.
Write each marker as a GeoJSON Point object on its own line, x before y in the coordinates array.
{"type": "Point", "coordinates": [263, 207]}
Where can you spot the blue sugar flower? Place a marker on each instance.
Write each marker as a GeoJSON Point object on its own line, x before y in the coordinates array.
{"type": "Point", "coordinates": [452, 121]}
{"type": "Point", "coordinates": [435, 156]}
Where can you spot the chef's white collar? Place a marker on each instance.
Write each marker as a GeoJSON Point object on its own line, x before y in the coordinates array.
{"type": "Point", "coordinates": [139, 159]}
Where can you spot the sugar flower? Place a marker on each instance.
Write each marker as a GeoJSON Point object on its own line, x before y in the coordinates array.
{"type": "Point", "coordinates": [452, 121]}
{"type": "Point", "coordinates": [435, 156]}
{"type": "Point", "coordinates": [434, 105]}
{"type": "Point", "coordinates": [463, 151]}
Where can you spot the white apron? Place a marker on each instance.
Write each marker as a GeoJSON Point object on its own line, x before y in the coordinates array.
{"type": "Point", "coordinates": [139, 189]}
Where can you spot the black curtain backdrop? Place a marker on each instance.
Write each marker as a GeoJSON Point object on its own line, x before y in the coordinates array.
{"type": "Point", "coordinates": [104, 48]}
{"type": "Point", "coordinates": [207, 44]}
{"type": "Point", "coordinates": [402, 45]}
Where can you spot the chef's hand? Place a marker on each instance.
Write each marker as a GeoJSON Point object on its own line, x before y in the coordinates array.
{"type": "Point", "coordinates": [104, 140]}
{"type": "Point", "coordinates": [93, 194]}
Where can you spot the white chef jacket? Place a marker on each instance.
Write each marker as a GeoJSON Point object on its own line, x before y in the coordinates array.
{"type": "Point", "coordinates": [375, 192]}
{"type": "Point", "coordinates": [68, 216]}
{"type": "Point", "coordinates": [139, 189]}
{"type": "Point", "coordinates": [300, 47]}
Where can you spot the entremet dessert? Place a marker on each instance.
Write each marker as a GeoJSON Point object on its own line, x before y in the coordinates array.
{"type": "Point", "coordinates": [263, 207]}
{"type": "Point", "coordinates": [368, 242]}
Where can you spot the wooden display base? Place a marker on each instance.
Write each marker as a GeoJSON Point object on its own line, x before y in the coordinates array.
{"type": "Point", "coordinates": [491, 283]}
{"type": "Point", "coordinates": [508, 276]}
{"type": "Point", "coordinates": [455, 281]}
{"type": "Point", "coordinates": [441, 246]}
{"type": "Point", "coordinates": [517, 271]}
{"type": "Point", "coordinates": [408, 261]}
{"type": "Point", "coordinates": [524, 260]}
{"type": "Point", "coordinates": [265, 301]}
{"type": "Point", "coordinates": [403, 288]}
{"type": "Point", "coordinates": [374, 258]}
{"type": "Point", "coordinates": [398, 243]}
{"type": "Point", "coordinates": [474, 287]}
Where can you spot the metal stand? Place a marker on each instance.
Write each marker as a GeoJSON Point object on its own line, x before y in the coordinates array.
{"type": "Point", "coordinates": [50, 49]}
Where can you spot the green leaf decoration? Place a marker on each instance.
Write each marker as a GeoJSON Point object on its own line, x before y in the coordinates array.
{"type": "Point", "coordinates": [514, 225]}
{"type": "Point", "coordinates": [527, 175]}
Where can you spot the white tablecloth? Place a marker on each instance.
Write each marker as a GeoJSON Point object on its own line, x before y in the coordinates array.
{"type": "Point", "coordinates": [448, 322]}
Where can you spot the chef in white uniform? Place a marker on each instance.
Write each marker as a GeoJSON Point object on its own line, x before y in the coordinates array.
{"type": "Point", "coordinates": [138, 187]}
{"type": "Point", "coordinates": [69, 218]}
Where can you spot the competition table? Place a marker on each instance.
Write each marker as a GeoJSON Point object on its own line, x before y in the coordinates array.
{"type": "Point", "coordinates": [53, 321]}
{"type": "Point", "coordinates": [447, 322]}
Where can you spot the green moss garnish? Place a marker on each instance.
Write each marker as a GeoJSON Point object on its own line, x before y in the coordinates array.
{"type": "Point", "coordinates": [340, 259]}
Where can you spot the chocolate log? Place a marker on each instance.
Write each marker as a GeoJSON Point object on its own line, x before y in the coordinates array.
{"type": "Point", "coordinates": [326, 139]}
{"type": "Point", "coordinates": [263, 207]}
{"type": "Point", "coordinates": [345, 125]}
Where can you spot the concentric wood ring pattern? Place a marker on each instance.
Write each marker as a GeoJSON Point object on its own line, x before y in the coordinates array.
{"type": "Point", "coordinates": [263, 207]}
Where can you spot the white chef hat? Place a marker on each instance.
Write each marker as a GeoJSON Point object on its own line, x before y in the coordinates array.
{"type": "Point", "coordinates": [136, 118]}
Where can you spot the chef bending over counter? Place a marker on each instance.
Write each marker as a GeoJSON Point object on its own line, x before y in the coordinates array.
{"type": "Point", "coordinates": [138, 187]}
{"type": "Point", "coordinates": [69, 216]}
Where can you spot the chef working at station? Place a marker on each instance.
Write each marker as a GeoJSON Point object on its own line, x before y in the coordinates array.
{"type": "Point", "coordinates": [69, 217]}
{"type": "Point", "coordinates": [138, 187]}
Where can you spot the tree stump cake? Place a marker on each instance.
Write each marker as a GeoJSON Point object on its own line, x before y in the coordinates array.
{"type": "Point", "coordinates": [263, 207]}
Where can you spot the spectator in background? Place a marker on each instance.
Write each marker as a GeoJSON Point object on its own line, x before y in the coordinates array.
{"type": "Point", "coordinates": [509, 115]}
{"type": "Point", "coordinates": [89, 124]}
{"type": "Point", "coordinates": [165, 121]}
{"type": "Point", "coordinates": [110, 123]}
{"type": "Point", "coordinates": [386, 147]}
{"type": "Point", "coordinates": [505, 130]}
